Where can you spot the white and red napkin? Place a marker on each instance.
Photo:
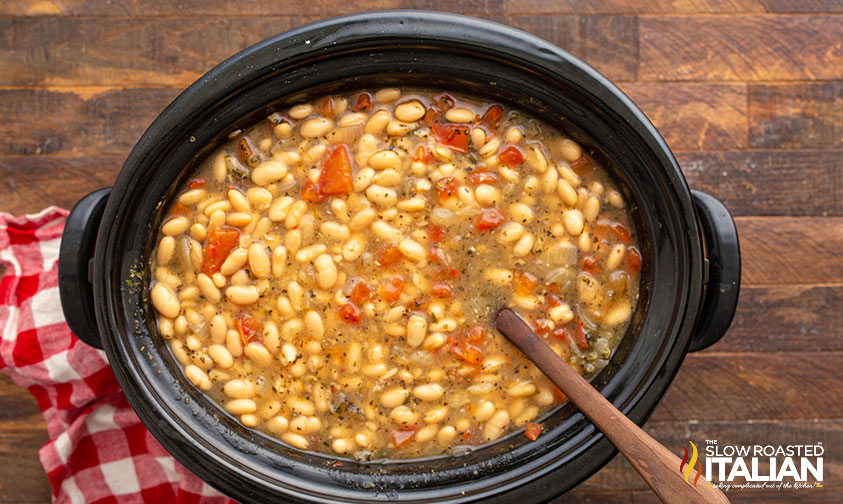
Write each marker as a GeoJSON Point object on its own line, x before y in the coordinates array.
{"type": "Point", "coordinates": [99, 451]}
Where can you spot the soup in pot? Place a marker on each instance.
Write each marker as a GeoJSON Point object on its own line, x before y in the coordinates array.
{"type": "Point", "coordinates": [330, 275]}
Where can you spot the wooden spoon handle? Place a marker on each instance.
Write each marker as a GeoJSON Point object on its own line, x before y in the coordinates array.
{"type": "Point", "coordinates": [655, 463]}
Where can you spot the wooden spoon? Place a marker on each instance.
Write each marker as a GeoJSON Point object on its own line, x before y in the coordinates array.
{"type": "Point", "coordinates": [655, 463]}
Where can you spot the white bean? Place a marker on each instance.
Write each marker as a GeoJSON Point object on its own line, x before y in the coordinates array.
{"type": "Point", "coordinates": [326, 271]}
{"type": "Point", "coordinates": [524, 245]}
{"type": "Point", "coordinates": [567, 192]}
{"type": "Point", "coordinates": [316, 127]}
{"type": "Point", "coordinates": [429, 391]}
{"type": "Point", "coordinates": [259, 263]}
{"type": "Point", "coordinates": [295, 214]}
{"type": "Point", "coordinates": [238, 200]}
{"type": "Point", "coordinates": [386, 232]}
{"type": "Point", "coordinates": [393, 397]}
{"type": "Point", "coordinates": [615, 257]}
{"type": "Point", "coordinates": [197, 377]}
{"type": "Point", "coordinates": [279, 260]}
{"type": "Point", "coordinates": [166, 250]}
{"type": "Point", "coordinates": [314, 325]}
{"type": "Point", "coordinates": [165, 300]}
{"type": "Point", "coordinates": [268, 172]}
{"type": "Point", "coordinates": [412, 249]}
{"type": "Point", "coordinates": [353, 248]}
{"type": "Point", "coordinates": [486, 195]}
{"type": "Point", "coordinates": [384, 159]}
{"type": "Point", "coordinates": [459, 115]}
{"type": "Point", "coordinates": [571, 150]}
{"type": "Point", "coordinates": [387, 95]}
{"type": "Point", "coordinates": [175, 226]}
{"type": "Point", "coordinates": [334, 231]}
{"type": "Point", "coordinates": [416, 330]}
{"type": "Point", "coordinates": [300, 111]}
{"type": "Point", "coordinates": [242, 295]}
{"type": "Point", "coordinates": [376, 124]}
{"type": "Point", "coordinates": [617, 314]}
{"type": "Point", "coordinates": [510, 232]}
{"type": "Point", "coordinates": [280, 208]}
{"type": "Point", "coordinates": [310, 253]}
{"type": "Point", "coordinates": [241, 406]}
{"type": "Point", "coordinates": [258, 354]}
{"type": "Point", "coordinates": [209, 290]}
{"type": "Point", "coordinates": [573, 221]}
{"type": "Point", "coordinates": [381, 196]}
{"type": "Point", "coordinates": [591, 209]}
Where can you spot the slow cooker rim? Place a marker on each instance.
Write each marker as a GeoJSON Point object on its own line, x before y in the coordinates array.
{"type": "Point", "coordinates": [241, 60]}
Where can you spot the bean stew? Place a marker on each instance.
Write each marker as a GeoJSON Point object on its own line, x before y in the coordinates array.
{"type": "Point", "coordinates": [330, 275]}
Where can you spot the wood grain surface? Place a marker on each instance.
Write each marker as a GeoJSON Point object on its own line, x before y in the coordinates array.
{"type": "Point", "coordinates": [748, 93]}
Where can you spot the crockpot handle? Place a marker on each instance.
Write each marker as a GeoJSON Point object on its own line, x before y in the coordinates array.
{"type": "Point", "coordinates": [75, 256]}
{"type": "Point", "coordinates": [723, 258]}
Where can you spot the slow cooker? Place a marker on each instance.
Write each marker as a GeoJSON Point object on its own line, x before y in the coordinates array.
{"type": "Point", "coordinates": [689, 279]}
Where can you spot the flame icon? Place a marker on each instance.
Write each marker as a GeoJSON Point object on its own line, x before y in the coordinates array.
{"type": "Point", "coordinates": [686, 470]}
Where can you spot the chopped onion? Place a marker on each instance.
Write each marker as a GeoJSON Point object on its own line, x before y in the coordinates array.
{"type": "Point", "coordinates": [442, 217]}
{"type": "Point", "coordinates": [563, 253]}
{"type": "Point", "coordinates": [560, 276]}
{"type": "Point", "coordinates": [349, 134]}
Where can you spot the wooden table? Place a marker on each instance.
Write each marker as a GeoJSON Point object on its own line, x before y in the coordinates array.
{"type": "Point", "coordinates": [748, 93]}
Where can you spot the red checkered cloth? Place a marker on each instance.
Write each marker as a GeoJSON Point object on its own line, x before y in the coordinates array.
{"type": "Point", "coordinates": [99, 451]}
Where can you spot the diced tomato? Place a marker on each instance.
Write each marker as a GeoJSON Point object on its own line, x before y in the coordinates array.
{"type": "Point", "coordinates": [581, 336]}
{"type": "Point", "coordinates": [524, 283]}
{"type": "Point", "coordinates": [560, 333]}
{"type": "Point", "coordinates": [245, 150]}
{"type": "Point", "coordinates": [388, 255]}
{"type": "Point", "coordinates": [311, 193]}
{"type": "Point", "coordinates": [221, 241]}
{"type": "Point", "coordinates": [429, 118]}
{"type": "Point", "coordinates": [335, 177]}
{"type": "Point", "coordinates": [441, 290]}
{"type": "Point", "coordinates": [633, 261]}
{"type": "Point", "coordinates": [558, 395]}
{"type": "Point", "coordinates": [246, 327]}
{"type": "Point", "coordinates": [482, 177]}
{"type": "Point", "coordinates": [542, 326]}
{"type": "Point", "coordinates": [446, 187]}
{"type": "Point", "coordinates": [350, 313]}
{"type": "Point", "coordinates": [423, 155]}
{"type": "Point", "coordinates": [583, 165]}
{"type": "Point", "coordinates": [533, 430]}
{"type": "Point", "coordinates": [511, 156]}
{"type": "Point", "coordinates": [360, 293]}
{"type": "Point", "coordinates": [454, 136]}
{"type": "Point", "coordinates": [490, 218]}
{"type": "Point", "coordinates": [492, 117]}
{"type": "Point", "coordinates": [179, 209]}
{"type": "Point", "coordinates": [553, 299]}
{"type": "Point", "coordinates": [476, 334]}
{"type": "Point", "coordinates": [453, 273]}
{"type": "Point", "coordinates": [197, 183]}
{"type": "Point", "coordinates": [327, 107]}
{"type": "Point", "coordinates": [605, 227]}
{"type": "Point", "coordinates": [590, 264]}
{"type": "Point", "coordinates": [402, 437]}
{"type": "Point", "coordinates": [467, 352]}
{"type": "Point", "coordinates": [436, 233]}
{"type": "Point", "coordinates": [391, 289]}
{"type": "Point", "coordinates": [362, 101]}
{"type": "Point", "coordinates": [437, 255]}
{"type": "Point", "coordinates": [444, 103]}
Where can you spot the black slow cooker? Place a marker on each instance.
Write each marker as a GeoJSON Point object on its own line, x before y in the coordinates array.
{"type": "Point", "coordinates": [690, 276]}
